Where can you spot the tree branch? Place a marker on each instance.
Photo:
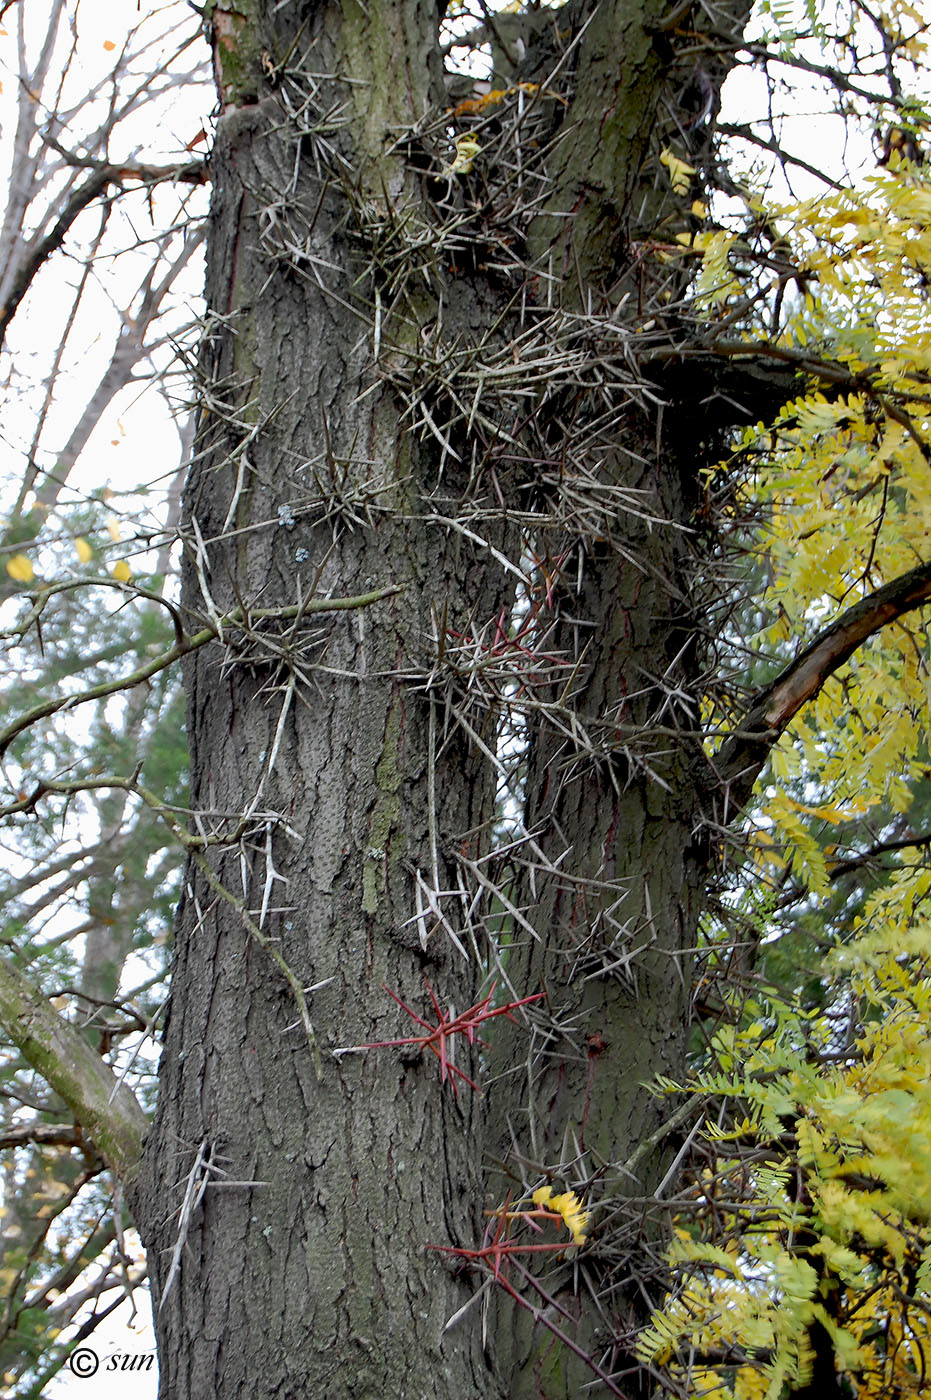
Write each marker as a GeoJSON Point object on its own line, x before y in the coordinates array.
{"type": "Point", "coordinates": [102, 175]}
{"type": "Point", "coordinates": [745, 132]}
{"type": "Point", "coordinates": [874, 853]}
{"type": "Point", "coordinates": [725, 390]}
{"type": "Point", "coordinates": [745, 752]}
{"type": "Point", "coordinates": [824, 370]}
{"type": "Point", "coordinates": [182, 647]}
{"type": "Point", "coordinates": [42, 1134]}
{"type": "Point", "coordinates": [108, 1112]}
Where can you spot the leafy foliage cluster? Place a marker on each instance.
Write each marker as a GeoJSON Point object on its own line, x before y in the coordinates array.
{"type": "Point", "coordinates": [803, 1259]}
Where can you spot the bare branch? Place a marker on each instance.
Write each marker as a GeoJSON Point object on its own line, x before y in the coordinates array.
{"type": "Point", "coordinates": [187, 644]}
{"type": "Point", "coordinates": [44, 1134]}
{"type": "Point", "coordinates": [876, 852]}
{"type": "Point", "coordinates": [194, 172]}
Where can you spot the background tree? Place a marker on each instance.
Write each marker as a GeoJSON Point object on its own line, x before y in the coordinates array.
{"type": "Point", "coordinates": [102, 220]}
{"type": "Point", "coordinates": [459, 613]}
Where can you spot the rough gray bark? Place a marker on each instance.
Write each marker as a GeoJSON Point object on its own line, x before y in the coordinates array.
{"type": "Point", "coordinates": [316, 1279]}
{"type": "Point", "coordinates": [614, 883]}
{"type": "Point", "coordinates": [343, 766]}
{"type": "Point", "coordinates": [618, 790]}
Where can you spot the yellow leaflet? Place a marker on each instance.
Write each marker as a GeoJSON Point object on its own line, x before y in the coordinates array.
{"type": "Point", "coordinates": [716, 279]}
{"type": "Point", "coordinates": [711, 1254]}
{"type": "Point", "coordinates": [467, 148]}
{"type": "Point", "coordinates": [20, 569]}
{"type": "Point", "coordinates": [122, 571]}
{"type": "Point", "coordinates": [84, 551]}
{"type": "Point", "coordinates": [680, 172]}
{"type": "Point", "coordinates": [568, 1206]}
{"type": "Point", "coordinates": [829, 811]}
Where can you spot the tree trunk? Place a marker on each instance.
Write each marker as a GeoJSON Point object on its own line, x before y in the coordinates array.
{"type": "Point", "coordinates": [304, 1266]}
{"type": "Point", "coordinates": [613, 882]}
{"type": "Point", "coordinates": [613, 876]}
{"type": "Point", "coordinates": [414, 379]}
